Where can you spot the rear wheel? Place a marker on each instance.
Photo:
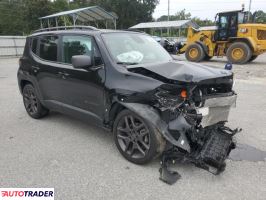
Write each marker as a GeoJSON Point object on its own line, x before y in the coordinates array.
{"type": "Point", "coordinates": [136, 139]}
{"type": "Point", "coordinates": [252, 58]}
{"type": "Point", "coordinates": [32, 104]}
{"type": "Point", "coordinates": [238, 53]}
{"type": "Point", "coordinates": [195, 53]}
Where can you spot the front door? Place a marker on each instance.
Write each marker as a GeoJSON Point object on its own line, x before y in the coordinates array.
{"type": "Point", "coordinates": [227, 26]}
{"type": "Point", "coordinates": [82, 89]}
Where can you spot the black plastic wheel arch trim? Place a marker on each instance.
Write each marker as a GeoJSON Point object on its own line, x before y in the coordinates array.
{"type": "Point", "coordinates": [151, 115]}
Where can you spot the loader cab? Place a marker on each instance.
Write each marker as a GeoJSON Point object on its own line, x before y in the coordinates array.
{"type": "Point", "coordinates": [227, 23]}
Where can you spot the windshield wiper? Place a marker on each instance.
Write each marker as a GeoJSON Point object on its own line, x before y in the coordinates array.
{"type": "Point", "coordinates": [127, 63]}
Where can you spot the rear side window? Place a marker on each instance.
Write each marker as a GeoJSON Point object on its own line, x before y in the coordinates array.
{"type": "Point", "coordinates": [48, 48]}
{"type": "Point", "coordinates": [80, 45]}
{"type": "Point", "coordinates": [34, 43]}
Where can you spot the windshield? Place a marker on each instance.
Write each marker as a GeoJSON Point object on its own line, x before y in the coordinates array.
{"type": "Point", "coordinates": [132, 48]}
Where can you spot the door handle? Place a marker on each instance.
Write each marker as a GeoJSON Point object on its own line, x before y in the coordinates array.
{"type": "Point", "coordinates": [63, 73]}
{"type": "Point", "coordinates": [95, 68]}
{"type": "Point", "coordinates": [35, 68]}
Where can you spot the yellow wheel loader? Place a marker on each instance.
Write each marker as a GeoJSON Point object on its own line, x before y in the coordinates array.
{"type": "Point", "coordinates": [233, 36]}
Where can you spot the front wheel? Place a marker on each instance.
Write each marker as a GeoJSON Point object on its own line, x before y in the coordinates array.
{"type": "Point", "coordinates": [195, 53]}
{"type": "Point", "coordinates": [136, 139]}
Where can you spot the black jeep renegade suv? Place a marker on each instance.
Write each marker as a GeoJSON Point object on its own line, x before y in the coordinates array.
{"type": "Point", "coordinates": [126, 82]}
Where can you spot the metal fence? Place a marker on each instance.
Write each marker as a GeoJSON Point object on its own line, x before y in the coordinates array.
{"type": "Point", "coordinates": [12, 45]}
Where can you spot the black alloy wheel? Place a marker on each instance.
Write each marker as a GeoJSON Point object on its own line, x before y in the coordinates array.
{"type": "Point", "coordinates": [32, 104]}
{"type": "Point", "coordinates": [135, 138]}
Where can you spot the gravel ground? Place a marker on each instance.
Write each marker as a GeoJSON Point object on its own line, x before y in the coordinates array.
{"type": "Point", "coordinates": [81, 161]}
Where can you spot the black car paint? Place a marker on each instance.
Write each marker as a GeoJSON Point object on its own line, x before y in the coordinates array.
{"type": "Point", "coordinates": [99, 95]}
{"type": "Point", "coordinates": [184, 71]}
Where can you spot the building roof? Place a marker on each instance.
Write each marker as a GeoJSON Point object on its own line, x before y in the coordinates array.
{"type": "Point", "coordinates": [93, 13]}
{"type": "Point", "coordinates": [166, 24]}
{"type": "Point", "coordinates": [208, 28]}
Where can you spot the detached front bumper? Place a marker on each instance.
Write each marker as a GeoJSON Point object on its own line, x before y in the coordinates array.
{"type": "Point", "coordinates": [210, 156]}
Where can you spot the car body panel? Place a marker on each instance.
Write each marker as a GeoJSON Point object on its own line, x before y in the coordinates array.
{"type": "Point", "coordinates": [93, 95]}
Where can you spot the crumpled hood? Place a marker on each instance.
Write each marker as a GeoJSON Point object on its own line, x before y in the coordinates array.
{"type": "Point", "coordinates": [184, 71]}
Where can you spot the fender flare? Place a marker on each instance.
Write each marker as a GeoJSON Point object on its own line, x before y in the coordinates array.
{"type": "Point", "coordinates": [22, 77]}
{"type": "Point", "coordinates": [151, 115]}
{"type": "Point", "coordinates": [248, 40]}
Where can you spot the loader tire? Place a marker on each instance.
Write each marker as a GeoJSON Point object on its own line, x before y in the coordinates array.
{"type": "Point", "coordinates": [252, 58]}
{"type": "Point", "coordinates": [195, 53]}
{"type": "Point", "coordinates": [207, 58]}
{"type": "Point", "coordinates": [239, 53]}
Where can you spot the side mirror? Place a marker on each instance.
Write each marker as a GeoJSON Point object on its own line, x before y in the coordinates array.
{"type": "Point", "coordinates": [81, 61]}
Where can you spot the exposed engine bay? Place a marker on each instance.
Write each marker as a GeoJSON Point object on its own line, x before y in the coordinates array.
{"type": "Point", "coordinates": [191, 116]}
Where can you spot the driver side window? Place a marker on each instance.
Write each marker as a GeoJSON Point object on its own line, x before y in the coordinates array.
{"type": "Point", "coordinates": [80, 45]}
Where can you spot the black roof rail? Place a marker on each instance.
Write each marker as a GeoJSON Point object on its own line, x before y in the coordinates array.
{"type": "Point", "coordinates": [66, 28]}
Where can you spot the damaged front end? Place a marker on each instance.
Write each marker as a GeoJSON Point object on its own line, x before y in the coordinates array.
{"type": "Point", "coordinates": [197, 122]}
{"type": "Point", "coordinates": [191, 117]}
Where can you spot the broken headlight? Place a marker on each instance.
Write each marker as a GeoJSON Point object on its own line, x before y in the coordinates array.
{"type": "Point", "coordinates": [169, 102]}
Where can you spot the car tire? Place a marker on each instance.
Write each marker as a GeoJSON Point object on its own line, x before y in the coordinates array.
{"type": "Point", "coordinates": [32, 103]}
{"type": "Point", "coordinates": [238, 53]}
{"type": "Point", "coordinates": [136, 139]}
{"type": "Point", "coordinates": [195, 53]}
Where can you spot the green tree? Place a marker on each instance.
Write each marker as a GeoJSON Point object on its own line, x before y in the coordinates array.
{"type": "Point", "coordinates": [33, 10]}
{"type": "Point", "coordinates": [183, 15]}
{"type": "Point", "coordinates": [19, 17]}
{"type": "Point", "coordinates": [205, 22]}
{"type": "Point", "coordinates": [180, 15]}
{"type": "Point", "coordinates": [82, 3]}
{"type": "Point", "coordinates": [260, 17]}
{"type": "Point", "coordinates": [130, 12]}
{"type": "Point", "coordinates": [11, 17]}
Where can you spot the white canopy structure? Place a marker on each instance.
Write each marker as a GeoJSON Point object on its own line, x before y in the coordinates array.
{"type": "Point", "coordinates": [180, 24]}
{"type": "Point", "coordinates": [88, 14]}
{"type": "Point", "coordinates": [166, 24]}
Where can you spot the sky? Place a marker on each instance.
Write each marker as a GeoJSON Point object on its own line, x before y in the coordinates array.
{"type": "Point", "coordinates": [206, 9]}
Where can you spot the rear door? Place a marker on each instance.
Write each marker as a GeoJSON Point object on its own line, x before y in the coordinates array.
{"type": "Point", "coordinates": [45, 69]}
{"type": "Point", "coordinates": [82, 89]}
